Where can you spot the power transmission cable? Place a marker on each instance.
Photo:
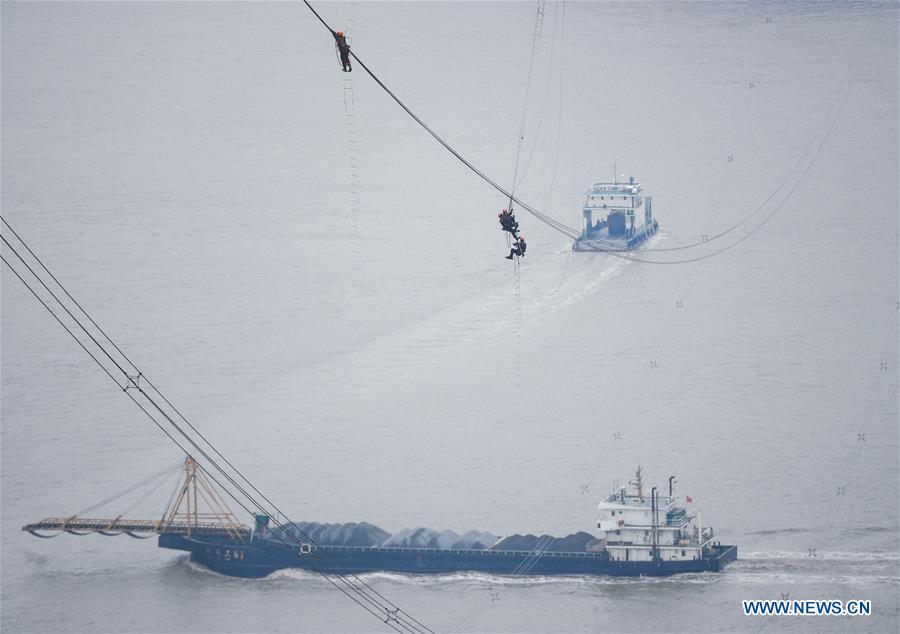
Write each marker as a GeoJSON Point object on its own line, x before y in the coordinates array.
{"type": "Point", "coordinates": [603, 245]}
{"type": "Point", "coordinates": [135, 380]}
{"type": "Point", "coordinates": [182, 448]}
{"type": "Point", "coordinates": [767, 217]}
{"type": "Point", "coordinates": [540, 124]}
{"type": "Point", "coordinates": [393, 612]}
{"type": "Point", "coordinates": [535, 38]}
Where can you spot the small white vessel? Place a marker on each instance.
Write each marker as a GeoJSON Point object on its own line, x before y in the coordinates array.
{"type": "Point", "coordinates": [617, 216]}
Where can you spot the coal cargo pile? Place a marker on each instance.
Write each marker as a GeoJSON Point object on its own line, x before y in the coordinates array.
{"type": "Point", "coordinates": [574, 543]}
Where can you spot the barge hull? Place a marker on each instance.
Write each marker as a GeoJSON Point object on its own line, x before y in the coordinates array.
{"type": "Point", "coordinates": [260, 557]}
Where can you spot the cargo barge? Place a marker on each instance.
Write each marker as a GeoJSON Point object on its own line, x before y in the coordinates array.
{"type": "Point", "coordinates": [637, 535]}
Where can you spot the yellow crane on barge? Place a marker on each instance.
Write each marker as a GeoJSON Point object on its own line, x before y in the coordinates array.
{"type": "Point", "coordinates": [196, 508]}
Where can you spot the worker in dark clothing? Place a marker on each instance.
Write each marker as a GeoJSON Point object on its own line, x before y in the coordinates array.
{"type": "Point", "coordinates": [508, 222]}
{"type": "Point", "coordinates": [517, 249]}
{"type": "Point", "coordinates": [343, 49]}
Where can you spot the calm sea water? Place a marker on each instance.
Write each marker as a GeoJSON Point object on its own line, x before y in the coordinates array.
{"type": "Point", "coordinates": [328, 301]}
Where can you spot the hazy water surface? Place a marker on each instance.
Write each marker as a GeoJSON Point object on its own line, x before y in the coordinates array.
{"type": "Point", "coordinates": [330, 305]}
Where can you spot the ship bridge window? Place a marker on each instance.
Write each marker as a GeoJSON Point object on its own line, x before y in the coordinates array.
{"type": "Point", "coordinates": [612, 512]}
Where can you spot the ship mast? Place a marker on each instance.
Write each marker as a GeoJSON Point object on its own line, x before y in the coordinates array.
{"type": "Point", "coordinates": [638, 483]}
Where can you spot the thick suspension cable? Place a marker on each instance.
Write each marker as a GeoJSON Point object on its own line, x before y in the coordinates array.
{"type": "Point", "coordinates": [551, 222]}
{"type": "Point", "coordinates": [572, 233]}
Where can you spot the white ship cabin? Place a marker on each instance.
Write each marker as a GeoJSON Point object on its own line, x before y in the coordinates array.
{"type": "Point", "coordinates": [641, 527]}
{"type": "Point", "coordinates": [620, 207]}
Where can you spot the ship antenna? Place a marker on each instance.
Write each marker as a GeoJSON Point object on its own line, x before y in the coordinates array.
{"type": "Point", "coordinates": [615, 182]}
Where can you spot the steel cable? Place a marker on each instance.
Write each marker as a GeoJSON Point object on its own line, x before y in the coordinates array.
{"type": "Point", "coordinates": [357, 585]}
{"type": "Point", "coordinates": [605, 246]}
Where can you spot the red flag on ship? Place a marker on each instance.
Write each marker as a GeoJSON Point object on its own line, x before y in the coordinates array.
{"type": "Point", "coordinates": [688, 499]}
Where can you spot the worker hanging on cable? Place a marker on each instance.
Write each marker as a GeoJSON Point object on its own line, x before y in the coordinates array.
{"type": "Point", "coordinates": [508, 222]}
{"type": "Point", "coordinates": [343, 49]}
{"type": "Point", "coordinates": [517, 249]}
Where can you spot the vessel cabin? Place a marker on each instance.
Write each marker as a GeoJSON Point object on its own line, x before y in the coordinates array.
{"type": "Point", "coordinates": [642, 528]}
{"type": "Point", "coordinates": [619, 208]}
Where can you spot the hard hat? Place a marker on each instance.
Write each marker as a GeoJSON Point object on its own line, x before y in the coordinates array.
{"type": "Point", "coordinates": [521, 238]}
{"type": "Point", "coordinates": [504, 211]}
{"type": "Point", "coordinates": [340, 32]}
